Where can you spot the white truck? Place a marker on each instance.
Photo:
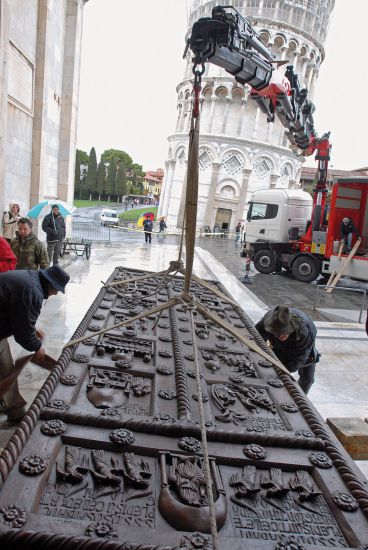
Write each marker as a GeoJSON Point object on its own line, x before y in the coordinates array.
{"type": "Point", "coordinates": [275, 216]}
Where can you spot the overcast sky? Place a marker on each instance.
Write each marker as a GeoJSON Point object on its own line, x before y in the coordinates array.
{"type": "Point", "coordinates": [132, 62]}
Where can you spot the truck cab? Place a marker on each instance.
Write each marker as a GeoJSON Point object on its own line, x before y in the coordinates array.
{"type": "Point", "coordinates": [277, 215]}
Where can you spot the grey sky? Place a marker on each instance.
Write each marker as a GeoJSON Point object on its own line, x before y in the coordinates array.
{"type": "Point", "coordinates": [132, 63]}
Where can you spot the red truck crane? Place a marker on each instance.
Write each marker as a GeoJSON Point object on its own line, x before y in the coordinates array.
{"type": "Point", "coordinates": [227, 39]}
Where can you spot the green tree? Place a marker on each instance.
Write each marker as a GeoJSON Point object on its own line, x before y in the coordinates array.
{"type": "Point", "coordinates": [119, 156]}
{"type": "Point", "coordinates": [101, 179]}
{"type": "Point", "coordinates": [91, 179]}
{"type": "Point", "coordinates": [77, 176]}
{"type": "Point", "coordinates": [121, 184]}
{"type": "Point", "coordinates": [111, 178]}
{"type": "Point", "coordinates": [83, 156]}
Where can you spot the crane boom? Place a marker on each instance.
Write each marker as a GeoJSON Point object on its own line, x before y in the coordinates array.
{"type": "Point", "coordinates": [227, 39]}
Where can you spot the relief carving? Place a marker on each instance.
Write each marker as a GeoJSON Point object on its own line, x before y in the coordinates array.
{"type": "Point", "coordinates": [183, 500]}
{"type": "Point", "coordinates": [108, 388]}
{"type": "Point", "coordinates": [232, 399]}
{"type": "Point", "coordinates": [240, 363]}
{"type": "Point", "coordinates": [271, 504]}
{"type": "Point", "coordinates": [96, 485]}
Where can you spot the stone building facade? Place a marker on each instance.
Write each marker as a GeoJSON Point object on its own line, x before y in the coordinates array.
{"type": "Point", "coordinates": [40, 47]}
{"type": "Point", "coordinates": [239, 151]}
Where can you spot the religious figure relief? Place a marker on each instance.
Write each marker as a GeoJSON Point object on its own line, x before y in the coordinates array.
{"type": "Point", "coordinates": [183, 500]}
{"type": "Point", "coordinates": [108, 388]}
{"type": "Point", "coordinates": [112, 342]}
{"type": "Point", "coordinates": [290, 500]}
{"type": "Point", "coordinates": [225, 397]}
{"type": "Point", "coordinates": [240, 363]}
{"type": "Point", "coordinates": [245, 488]}
{"type": "Point", "coordinates": [95, 471]}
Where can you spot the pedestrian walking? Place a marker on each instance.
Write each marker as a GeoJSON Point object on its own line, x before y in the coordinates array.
{"type": "Point", "coordinates": [21, 296]}
{"type": "Point", "coordinates": [8, 260]}
{"type": "Point", "coordinates": [238, 232]}
{"type": "Point", "coordinates": [292, 335]}
{"type": "Point", "coordinates": [347, 229]}
{"type": "Point", "coordinates": [29, 250]}
{"type": "Point", "coordinates": [54, 226]}
{"type": "Point", "coordinates": [162, 225]}
{"type": "Point", "coordinates": [147, 227]}
{"type": "Point", "coordinates": [10, 221]}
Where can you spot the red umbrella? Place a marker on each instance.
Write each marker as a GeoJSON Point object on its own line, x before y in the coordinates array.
{"type": "Point", "coordinates": [149, 215]}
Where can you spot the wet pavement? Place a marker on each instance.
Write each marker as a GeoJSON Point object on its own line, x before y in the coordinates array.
{"type": "Point", "coordinates": [340, 305]}
{"type": "Point", "coordinates": [341, 377]}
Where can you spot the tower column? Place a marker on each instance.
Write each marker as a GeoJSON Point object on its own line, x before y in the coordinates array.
{"type": "Point", "coordinates": [274, 180]}
{"type": "Point", "coordinates": [165, 195]}
{"type": "Point", "coordinates": [4, 51]}
{"type": "Point", "coordinates": [244, 192]}
{"type": "Point", "coordinates": [211, 195]}
{"type": "Point", "coordinates": [212, 111]}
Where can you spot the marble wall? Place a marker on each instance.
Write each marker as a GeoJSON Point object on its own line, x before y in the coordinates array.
{"type": "Point", "coordinates": [40, 49]}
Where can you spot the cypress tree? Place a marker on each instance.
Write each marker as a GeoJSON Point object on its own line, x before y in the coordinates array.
{"type": "Point", "coordinates": [91, 179]}
{"type": "Point", "coordinates": [121, 185]}
{"type": "Point", "coordinates": [101, 179]}
{"type": "Point", "coordinates": [111, 178]}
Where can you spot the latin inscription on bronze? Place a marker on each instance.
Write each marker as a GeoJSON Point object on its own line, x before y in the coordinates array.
{"type": "Point", "coordinates": [99, 486]}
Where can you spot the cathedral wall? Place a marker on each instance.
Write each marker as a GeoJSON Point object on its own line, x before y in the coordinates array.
{"type": "Point", "coordinates": [40, 50]}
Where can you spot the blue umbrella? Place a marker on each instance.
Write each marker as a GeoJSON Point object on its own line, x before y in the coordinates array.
{"type": "Point", "coordinates": [64, 208]}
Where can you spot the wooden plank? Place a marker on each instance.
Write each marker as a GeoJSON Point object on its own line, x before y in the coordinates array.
{"type": "Point", "coordinates": [343, 268]}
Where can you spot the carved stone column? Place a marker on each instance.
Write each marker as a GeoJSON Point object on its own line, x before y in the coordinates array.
{"type": "Point", "coordinates": [243, 192]}
{"type": "Point", "coordinates": [212, 192]}
{"type": "Point", "coordinates": [69, 101]}
{"type": "Point", "coordinates": [39, 137]}
{"type": "Point", "coordinates": [293, 184]}
{"type": "Point", "coordinates": [4, 49]}
{"type": "Point", "coordinates": [274, 180]}
{"type": "Point", "coordinates": [212, 111]}
{"type": "Point", "coordinates": [226, 114]}
{"type": "Point", "coordinates": [165, 197]}
{"type": "Point", "coordinates": [242, 119]}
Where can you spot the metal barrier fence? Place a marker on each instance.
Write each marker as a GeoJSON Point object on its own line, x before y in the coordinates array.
{"type": "Point", "coordinates": [348, 289]}
{"type": "Point", "coordinates": [92, 231]}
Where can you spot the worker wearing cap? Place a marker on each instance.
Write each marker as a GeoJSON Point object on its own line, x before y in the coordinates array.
{"type": "Point", "coordinates": [21, 295]}
{"type": "Point", "coordinates": [347, 229]}
{"type": "Point", "coordinates": [292, 335]}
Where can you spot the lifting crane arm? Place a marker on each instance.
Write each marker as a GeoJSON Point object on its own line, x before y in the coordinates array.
{"type": "Point", "coordinates": [227, 39]}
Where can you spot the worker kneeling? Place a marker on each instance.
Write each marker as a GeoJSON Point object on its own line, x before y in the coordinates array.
{"type": "Point", "coordinates": [292, 335]}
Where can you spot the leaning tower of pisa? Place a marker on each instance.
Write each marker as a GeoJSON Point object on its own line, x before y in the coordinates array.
{"type": "Point", "coordinates": [239, 151]}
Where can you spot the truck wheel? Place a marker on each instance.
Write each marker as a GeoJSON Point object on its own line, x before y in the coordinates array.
{"type": "Point", "coordinates": [305, 269]}
{"type": "Point", "coordinates": [265, 261]}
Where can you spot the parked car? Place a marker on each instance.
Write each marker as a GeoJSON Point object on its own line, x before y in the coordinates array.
{"type": "Point", "coordinates": [109, 217]}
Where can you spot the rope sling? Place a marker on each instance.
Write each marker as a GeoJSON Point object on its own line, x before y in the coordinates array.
{"type": "Point", "coordinates": [186, 299]}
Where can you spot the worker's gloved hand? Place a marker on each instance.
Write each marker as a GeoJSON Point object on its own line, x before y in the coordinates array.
{"type": "Point", "coordinates": [40, 354]}
{"type": "Point", "coordinates": [40, 334]}
{"type": "Point", "coordinates": [342, 241]}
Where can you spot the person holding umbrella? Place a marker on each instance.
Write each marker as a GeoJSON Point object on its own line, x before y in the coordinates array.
{"type": "Point", "coordinates": [54, 226]}
{"type": "Point", "coordinates": [148, 228]}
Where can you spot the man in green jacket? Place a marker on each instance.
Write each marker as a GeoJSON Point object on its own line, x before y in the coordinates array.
{"type": "Point", "coordinates": [30, 251]}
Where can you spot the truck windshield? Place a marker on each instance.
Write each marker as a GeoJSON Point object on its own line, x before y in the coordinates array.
{"type": "Point", "coordinates": [262, 211]}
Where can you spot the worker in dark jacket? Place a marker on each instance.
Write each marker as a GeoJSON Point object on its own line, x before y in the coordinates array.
{"type": "Point", "coordinates": [292, 335]}
{"type": "Point", "coordinates": [54, 226]}
{"type": "Point", "coordinates": [347, 229]}
{"type": "Point", "coordinates": [21, 296]}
